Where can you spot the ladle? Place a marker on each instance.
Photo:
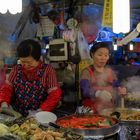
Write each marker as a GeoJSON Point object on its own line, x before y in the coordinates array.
{"type": "Point", "coordinates": [122, 102]}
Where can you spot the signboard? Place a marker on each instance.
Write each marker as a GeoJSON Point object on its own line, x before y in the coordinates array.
{"type": "Point", "coordinates": [107, 14]}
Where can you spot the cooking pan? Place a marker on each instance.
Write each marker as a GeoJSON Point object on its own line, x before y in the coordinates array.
{"type": "Point", "coordinates": [95, 132]}
{"type": "Point", "coordinates": [127, 115]}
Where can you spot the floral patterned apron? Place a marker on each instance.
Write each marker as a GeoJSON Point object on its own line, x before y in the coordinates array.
{"type": "Point", "coordinates": [28, 94]}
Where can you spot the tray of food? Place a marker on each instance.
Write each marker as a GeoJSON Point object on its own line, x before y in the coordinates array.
{"type": "Point", "coordinates": [132, 100]}
{"type": "Point", "coordinates": [31, 129]}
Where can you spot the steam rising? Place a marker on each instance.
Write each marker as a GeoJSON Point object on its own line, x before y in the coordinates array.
{"type": "Point", "coordinates": [132, 84]}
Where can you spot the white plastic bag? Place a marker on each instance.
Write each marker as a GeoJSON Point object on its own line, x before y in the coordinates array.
{"type": "Point", "coordinates": [83, 46]}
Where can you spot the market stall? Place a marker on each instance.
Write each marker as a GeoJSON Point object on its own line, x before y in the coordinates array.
{"type": "Point", "coordinates": [86, 126]}
{"type": "Point", "coordinates": [66, 31]}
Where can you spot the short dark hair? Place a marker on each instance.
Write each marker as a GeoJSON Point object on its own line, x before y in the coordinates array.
{"type": "Point", "coordinates": [29, 47]}
{"type": "Point", "coordinates": [99, 45]}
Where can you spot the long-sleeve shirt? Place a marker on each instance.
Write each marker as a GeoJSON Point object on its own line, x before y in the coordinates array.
{"type": "Point", "coordinates": [41, 83]}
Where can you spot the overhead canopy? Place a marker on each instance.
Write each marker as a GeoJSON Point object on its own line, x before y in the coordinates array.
{"type": "Point", "coordinates": [134, 5]}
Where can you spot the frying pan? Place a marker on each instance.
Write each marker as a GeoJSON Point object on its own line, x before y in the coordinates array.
{"type": "Point", "coordinates": [128, 111]}
{"type": "Point", "coordinates": [95, 132]}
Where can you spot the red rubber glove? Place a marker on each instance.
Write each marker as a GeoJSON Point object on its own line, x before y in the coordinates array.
{"type": "Point", "coordinates": [6, 92]}
{"type": "Point", "coordinates": [53, 98]}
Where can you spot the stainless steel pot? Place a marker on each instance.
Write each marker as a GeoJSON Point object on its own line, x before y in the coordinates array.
{"type": "Point", "coordinates": [129, 128]}
{"type": "Point", "coordinates": [95, 132]}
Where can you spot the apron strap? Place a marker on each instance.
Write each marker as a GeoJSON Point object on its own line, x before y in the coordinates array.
{"type": "Point", "coordinates": [91, 72]}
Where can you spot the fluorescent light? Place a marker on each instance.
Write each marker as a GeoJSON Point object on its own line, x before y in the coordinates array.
{"type": "Point", "coordinates": [121, 16]}
{"type": "Point", "coordinates": [3, 6]}
{"type": "Point", "coordinates": [13, 6]}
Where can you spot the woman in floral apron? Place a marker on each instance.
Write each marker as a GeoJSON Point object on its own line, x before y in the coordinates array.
{"type": "Point", "coordinates": [32, 84]}
{"type": "Point", "coordinates": [98, 82]}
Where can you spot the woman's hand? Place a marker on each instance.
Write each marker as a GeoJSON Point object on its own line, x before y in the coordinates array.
{"type": "Point", "coordinates": [4, 105]}
{"type": "Point", "coordinates": [103, 96]}
{"type": "Point", "coordinates": [122, 91]}
{"type": "Point", "coordinates": [5, 108]}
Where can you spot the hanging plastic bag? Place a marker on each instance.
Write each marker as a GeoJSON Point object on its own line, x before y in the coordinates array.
{"type": "Point", "coordinates": [82, 46]}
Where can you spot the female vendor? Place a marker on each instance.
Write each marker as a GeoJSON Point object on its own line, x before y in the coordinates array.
{"type": "Point", "coordinates": [32, 84]}
{"type": "Point", "coordinates": [98, 82]}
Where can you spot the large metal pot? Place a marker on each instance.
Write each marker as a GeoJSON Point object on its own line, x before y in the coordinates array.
{"type": "Point", "coordinates": [129, 127]}
{"type": "Point", "coordinates": [96, 132]}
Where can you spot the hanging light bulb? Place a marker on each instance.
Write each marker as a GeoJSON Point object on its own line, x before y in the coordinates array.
{"type": "Point", "coordinates": [131, 46]}
{"type": "Point", "coordinates": [115, 47]}
{"type": "Point", "coordinates": [121, 16]}
{"type": "Point", "coordinates": [13, 6]}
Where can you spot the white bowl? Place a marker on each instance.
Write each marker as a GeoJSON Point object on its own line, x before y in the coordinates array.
{"type": "Point", "coordinates": [44, 117]}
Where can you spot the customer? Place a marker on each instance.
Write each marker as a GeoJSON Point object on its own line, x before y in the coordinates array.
{"type": "Point", "coordinates": [32, 84]}
{"type": "Point", "coordinates": [98, 81]}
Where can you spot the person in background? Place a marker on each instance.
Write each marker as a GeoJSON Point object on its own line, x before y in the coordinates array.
{"type": "Point", "coordinates": [98, 82]}
{"type": "Point", "coordinates": [32, 84]}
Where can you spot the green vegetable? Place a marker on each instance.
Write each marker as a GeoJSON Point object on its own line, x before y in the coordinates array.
{"type": "Point", "coordinates": [106, 122]}
{"type": "Point", "coordinates": [89, 125]}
